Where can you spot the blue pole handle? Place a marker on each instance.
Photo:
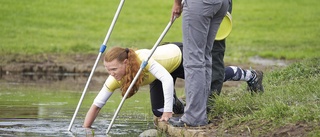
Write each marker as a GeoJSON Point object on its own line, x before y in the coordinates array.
{"type": "Point", "coordinates": [103, 48]}
{"type": "Point", "coordinates": [144, 64]}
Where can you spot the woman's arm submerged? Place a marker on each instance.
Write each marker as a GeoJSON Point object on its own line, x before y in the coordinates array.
{"type": "Point", "coordinates": [95, 108]}
{"type": "Point", "coordinates": [91, 116]}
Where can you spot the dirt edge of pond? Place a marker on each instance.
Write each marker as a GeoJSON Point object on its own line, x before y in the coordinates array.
{"type": "Point", "coordinates": [83, 63]}
{"type": "Point", "coordinates": [212, 130]}
{"type": "Point", "coordinates": [55, 63]}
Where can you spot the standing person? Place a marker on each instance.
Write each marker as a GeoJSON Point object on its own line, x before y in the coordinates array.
{"type": "Point", "coordinates": [162, 70]}
{"type": "Point", "coordinates": [200, 22]}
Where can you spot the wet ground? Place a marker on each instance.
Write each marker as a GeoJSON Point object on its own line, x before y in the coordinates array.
{"type": "Point", "coordinates": [32, 105]}
{"type": "Point", "coordinates": [58, 127]}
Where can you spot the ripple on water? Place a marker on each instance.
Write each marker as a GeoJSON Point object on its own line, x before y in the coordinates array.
{"type": "Point", "coordinates": [58, 127]}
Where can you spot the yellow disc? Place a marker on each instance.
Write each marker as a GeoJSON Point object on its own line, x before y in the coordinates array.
{"type": "Point", "coordinates": [225, 27]}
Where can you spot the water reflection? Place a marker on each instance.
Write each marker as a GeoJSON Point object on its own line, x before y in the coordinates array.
{"type": "Point", "coordinates": [49, 127]}
{"type": "Point", "coordinates": [75, 81]}
{"type": "Point", "coordinates": [35, 105]}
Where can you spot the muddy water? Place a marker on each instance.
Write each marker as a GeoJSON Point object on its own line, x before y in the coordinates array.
{"type": "Point", "coordinates": [43, 105]}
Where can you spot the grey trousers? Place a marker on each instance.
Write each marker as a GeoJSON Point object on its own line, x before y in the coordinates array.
{"type": "Point", "coordinates": [200, 22]}
{"type": "Point", "coordinates": [218, 70]}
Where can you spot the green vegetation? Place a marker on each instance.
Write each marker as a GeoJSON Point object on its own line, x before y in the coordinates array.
{"type": "Point", "coordinates": [275, 29]}
{"type": "Point", "coordinates": [39, 26]}
{"type": "Point", "coordinates": [271, 29]}
{"type": "Point", "coordinates": [291, 98]}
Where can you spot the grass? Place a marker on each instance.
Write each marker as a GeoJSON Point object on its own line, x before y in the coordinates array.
{"type": "Point", "coordinates": [271, 29]}
{"type": "Point", "coordinates": [73, 26]}
{"type": "Point", "coordinates": [275, 29]}
{"type": "Point", "coordinates": [291, 98]}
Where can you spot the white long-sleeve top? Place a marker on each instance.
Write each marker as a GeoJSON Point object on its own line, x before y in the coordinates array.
{"type": "Point", "coordinates": [164, 60]}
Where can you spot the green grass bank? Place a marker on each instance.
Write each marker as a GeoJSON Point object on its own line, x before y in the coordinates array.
{"type": "Point", "coordinates": [274, 29]}
{"type": "Point", "coordinates": [289, 106]}
{"type": "Point", "coordinates": [270, 29]}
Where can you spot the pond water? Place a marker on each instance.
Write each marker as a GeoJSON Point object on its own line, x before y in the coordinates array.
{"type": "Point", "coordinates": [43, 105]}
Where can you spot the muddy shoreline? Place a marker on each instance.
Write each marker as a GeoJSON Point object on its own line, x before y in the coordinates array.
{"type": "Point", "coordinates": [83, 64]}
{"type": "Point", "coordinates": [69, 68]}
{"type": "Point", "coordinates": [45, 64]}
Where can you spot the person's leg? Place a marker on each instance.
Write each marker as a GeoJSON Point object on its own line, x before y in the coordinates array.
{"type": "Point", "coordinates": [252, 77]}
{"type": "Point", "coordinates": [178, 106]}
{"type": "Point", "coordinates": [156, 98]}
{"type": "Point", "coordinates": [194, 35]}
{"type": "Point", "coordinates": [218, 72]}
{"type": "Point", "coordinates": [217, 66]}
{"type": "Point", "coordinates": [197, 17]}
{"type": "Point", "coordinates": [234, 73]}
{"type": "Point", "coordinates": [216, 58]}
{"type": "Point", "coordinates": [218, 51]}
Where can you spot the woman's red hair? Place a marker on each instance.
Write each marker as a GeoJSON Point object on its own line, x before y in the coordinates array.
{"type": "Point", "coordinates": [132, 68]}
